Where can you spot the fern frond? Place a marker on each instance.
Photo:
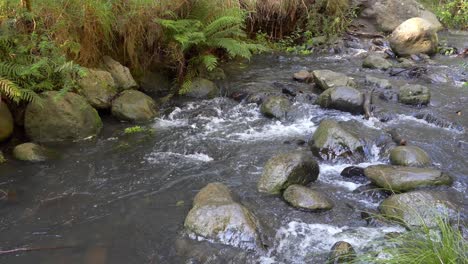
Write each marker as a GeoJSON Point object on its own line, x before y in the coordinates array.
{"type": "Point", "coordinates": [224, 23]}
{"type": "Point", "coordinates": [234, 48]}
{"type": "Point", "coordinates": [10, 90]}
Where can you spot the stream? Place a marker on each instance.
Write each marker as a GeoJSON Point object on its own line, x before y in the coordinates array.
{"type": "Point", "coordinates": [123, 198]}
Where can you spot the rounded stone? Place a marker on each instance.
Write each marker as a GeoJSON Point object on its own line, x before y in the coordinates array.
{"type": "Point", "coordinates": [415, 35]}
{"type": "Point", "coordinates": [304, 198]}
{"type": "Point", "coordinates": [409, 156]}
{"type": "Point", "coordinates": [201, 88]}
{"type": "Point", "coordinates": [302, 76]}
{"type": "Point", "coordinates": [98, 87]}
{"type": "Point", "coordinates": [375, 61]}
{"type": "Point", "coordinates": [341, 252]}
{"type": "Point", "coordinates": [32, 152]}
{"type": "Point", "coordinates": [326, 79]}
{"type": "Point", "coordinates": [121, 74]}
{"type": "Point", "coordinates": [275, 106]}
{"type": "Point", "coordinates": [134, 106]}
{"type": "Point", "coordinates": [343, 98]}
{"type": "Point", "coordinates": [414, 94]}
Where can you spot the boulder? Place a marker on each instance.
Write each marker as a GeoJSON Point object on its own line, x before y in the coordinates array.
{"type": "Point", "coordinates": [275, 106]}
{"type": "Point", "coordinates": [156, 84]}
{"type": "Point", "coordinates": [409, 156]}
{"type": "Point", "coordinates": [400, 179]}
{"type": "Point", "coordinates": [330, 140]}
{"type": "Point", "coordinates": [354, 174]}
{"type": "Point", "coordinates": [121, 74]}
{"type": "Point", "coordinates": [32, 152]}
{"type": "Point", "coordinates": [374, 61]}
{"type": "Point", "coordinates": [134, 106]}
{"type": "Point", "coordinates": [6, 122]}
{"type": "Point", "coordinates": [202, 89]}
{"type": "Point", "coordinates": [302, 76]}
{"type": "Point", "coordinates": [215, 216]}
{"type": "Point", "coordinates": [341, 252]}
{"type": "Point", "coordinates": [377, 82]}
{"type": "Point", "coordinates": [285, 169]}
{"type": "Point", "coordinates": [418, 208]}
{"type": "Point", "coordinates": [326, 79]}
{"type": "Point", "coordinates": [59, 117]}
{"type": "Point", "coordinates": [342, 98]}
{"type": "Point", "coordinates": [98, 87]}
{"type": "Point", "coordinates": [304, 198]}
{"type": "Point", "coordinates": [414, 36]}
{"type": "Point", "coordinates": [414, 94]}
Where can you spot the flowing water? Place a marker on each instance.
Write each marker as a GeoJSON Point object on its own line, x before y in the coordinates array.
{"type": "Point", "coordinates": [123, 198]}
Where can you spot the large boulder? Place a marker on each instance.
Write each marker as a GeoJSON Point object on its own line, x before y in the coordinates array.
{"type": "Point", "coordinates": [409, 156]}
{"type": "Point", "coordinates": [134, 106]}
{"type": "Point", "coordinates": [415, 35]}
{"type": "Point", "coordinates": [374, 61]}
{"type": "Point", "coordinates": [342, 98]}
{"type": "Point", "coordinates": [286, 169]}
{"type": "Point", "coordinates": [59, 117]}
{"type": "Point", "coordinates": [215, 216]}
{"type": "Point", "coordinates": [326, 79]}
{"type": "Point", "coordinates": [275, 106]}
{"type": "Point", "coordinates": [32, 152]}
{"type": "Point", "coordinates": [400, 179]}
{"type": "Point", "coordinates": [307, 199]}
{"type": "Point", "coordinates": [330, 140]}
{"type": "Point", "coordinates": [418, 208]}
{"type": "Point", "coordinates": [202, 89]}
{"type": "Point", "coordinates": [98, 87]}
{"type": "Point", "coordinates": [6, 122]}
{"type": "Point", "coordinates": [414, 94]}
{"type": "Point", "coordinates": [121, 74]}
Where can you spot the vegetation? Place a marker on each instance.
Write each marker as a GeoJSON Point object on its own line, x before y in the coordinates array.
{"type": "Point", "coordinates": [452, 13]}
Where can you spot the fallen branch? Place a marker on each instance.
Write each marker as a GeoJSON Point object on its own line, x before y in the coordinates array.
{"type": "Point", "coordinates": [29, 249]}
{"type": "Point", "coordinates": [367, 105]}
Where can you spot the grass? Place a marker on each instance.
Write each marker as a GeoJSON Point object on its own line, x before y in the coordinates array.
{"type": "Point", "coordinates": [452, 13]}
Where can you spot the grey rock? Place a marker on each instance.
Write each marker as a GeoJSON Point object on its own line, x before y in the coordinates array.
{"type": "Point", "coordinates": [327, 79]}
{"type": "Point", "coordinates": [414, 94]}
{"type": "Point", "coordinates": [134, 106]}
{"type": "Point", "coordinates": [121, 74]}
{"type": "Point", "coordinates": [304, 198]}
{"type": "Point", "coordinates": [409, 156]}
{"type": "Point", "coordinates": [202, 89]}
{"type": "Point", "coordinates": [414, 36]}
{"type": "Point", "coordinates": [98, 87]}
{"type": "Point", "coordinates": [374, 61]}
{"type": "Point", "coordinates": [275, 106]}
{"type": "Point", "coordinates": [343, 98]}
{"type": "Point", "coordinates": [378, 83]}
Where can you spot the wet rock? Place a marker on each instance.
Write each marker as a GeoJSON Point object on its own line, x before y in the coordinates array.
{"type": "Point", "coordinates": [330, 140]}
{"type": "Point", "coordinates": [415, 35]}
{"type": "Point", "coordinates": [377, 82]}
{"type": "Point", "coordinates": [418, 208]}
{"type": "Point", "coordinates": [409, 156]}
{"type": "Point", "coordinates": [134, 106]}
{"type": "Point", "coordinates": [32, 152]}
{"type": "Point", "coordinates": [61, 117]}
{"type": "Point", "coordinates": [436, 78]}
{"type": "Point", "coordinates": [98, 87]}
{"type": "Point", "coordinates": [121, 74]}
{"type": "Point", "coordinates": [341, 252]}
{"type": "Point", "coordinates": [302, 76]}
{"type": "Point", "coordinates": [6, 122]}
{"type": "Point", "coordinates": [342, 98]}
{"type": "Point", "coordinates": [202, 89]}
{"type": "Point", "coordinates": [327, 79]}
{"type": "Point", "coordinates": [414, 94]}
{"type": "Point", "coordinates": [156, 84]}
{"type": "Point", "coordinates": [374, 61]}
{"type": "Point", "coordinates": [355, 174]}
{"type": "Point", "coordinates": [286, 169]}
{"type": "Point", "coordinates": [304, 198]}
{"type": "Point", "coordinates": [405, 63]}
{"type": "Point", "coordinates": [439, 121]}
{"type": "Point", "coordinates": [215, 216]}
{"type": "Point", "coordinates": [400, 179]}
{"type": "Point", "coordinates": [275, 106]}
{"type": "Point", "coordinates": [373, 192]}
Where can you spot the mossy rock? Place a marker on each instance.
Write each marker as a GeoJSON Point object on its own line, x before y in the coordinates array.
{"type": "Point", "coordinates": [305, 198]}
{"type": "Point", "coordinates": [326, 79]}
{"type": "Point", "coordinates": [201, 88]}
{"type": "Point", "coordinates": [409, 156]}
{"type": "Point", "coordinates": [343, 98]}
{"type": "Point", "coordinates": [415, 35]}
{"type": "Point", "coordinates": [98, 87]}
{"type": "Point", "coordinates": [134, 106]}
{"type": "Point", "coordinates": [121, 74]}
{"type": "Point", "coordinates": [33, 153]}
{"type": "Point", "coordinates": [414, 94]}
{"type": "Point", "coordinates": [374, 61]}
{"type": "Point", "coordinates": [276, 106]}
{"type": "Point", "coordinates": [341, 252]}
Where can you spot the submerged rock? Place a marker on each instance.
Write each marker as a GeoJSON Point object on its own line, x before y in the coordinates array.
{"type": "Point", "coordinates": [400, 179]}
{"type": "Point", "coordinates": [98, 87]}
{"type": "Point", "coordinates": [415, 35]}
{"type": "Point", "coordinates": [275, 106]}
{"type": "Point", "coordinates": [121, 74]}
{"type": "Point", "coordinates": [374, 61]}
{"type": "Point", "coordinates": [302, 76]}
{"type": "Point", "coordinates": [215, 216]}
{"type": "Point", "coordinates": [304, 198]}
{"type": "Point", "coordinates": [341, 252]}
{"type": "Point", "coordinates": [327, 79]}
{"type": "Point", "coordinates": [414, 94]}
{"type": "Point", "coordinates": [342, 98]}
{"type": "Point", "coordinates": [286, 169]}
{"type": "Point", "coordinates": [409, 156]}
{"type": "Point", "coordinates": [32, 152]}
{"type": "Point", "coordinates": [60, 117]}
{"type": "Point", "coordinates": [377, 82]}
{"type": "Point", "coordinates": [134, 106]}
{"type": "Point", "coordinates": [6, 122]}
{"type": "Point", "coordinates": [202, 89]}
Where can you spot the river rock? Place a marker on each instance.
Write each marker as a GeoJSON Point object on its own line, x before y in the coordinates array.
{"type": "Point", "coordinates": [326, 79]}
{"type": "Point", "coordinates": [202, 89]}
{"type": "Point", "coordinates": [59, 117]}
{"type": "Point", "coordinates": [418, 208]}
{"type": "Point", "coordinates": [302, 76]}
{"type": "Point", "coordinates": [400, 179]}
{"type": "Point", "coordinates": [377, 82]}
{"type": "Point", "coordinates": [330, 140]}
{"type": "Point", "coordinates": [354, 174]}
{"type": "Point", "coordinates": [286, 169]}
{"type": "Point", "coordinates": [342, 98]}
{"type": "Point", "coordinates": [6, 122]}
{"type": "Point", "coordinates": [405, 63]}
{"type": "Point", "coordinates": [121, 74]}
{"type": "Point", "coordinates": [215, 216]}
{"type": "Point", "coordinates": [415, 35]}
{"type": "Point", "coordinates": [275, 106]}
{"type": "Point", "coordinates": [156, 84]}
{"type": "Point", "coordinates": [2, 157]}
{"type": "Point", "coordinates": [134, 106]}
{"type": "Point", "coordinates": [98, 87]}
{"type": "Point", "coordinates": [341, 252]}
{"type": "Point", "coordinates": [374, 193]}
{"type": "Point", "coordinates": [414, 94]}
{"type": "Point", "coordinates": [374, 61]}
{"type": "Point", "coordinates": [32, 152]}
{"type": "Point", "coordinates": [409, 156]}
{"type": "Point", "coordinates": [304, 198]}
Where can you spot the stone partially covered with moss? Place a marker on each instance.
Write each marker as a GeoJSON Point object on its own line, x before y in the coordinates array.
{"type": "Point", "coordinates": [400, 179]}
{"type": "Point", "coordinates": [2, 158]}
{"type": "Point", "coordinates": [59, 117]}
{"type": "Point", "coordinates": [98, 87]}
{"type": "Point", "coordinates": [6, 122]}
{"type": "Point", "coordinates": [215, 216]}
{"type": "Point", "coordinates": [201, 88]}
{"type": "Point", "coordinates": [341, 252]}
{"type": "Point", "coordinates": [414, 94]}
{"type": "Point", "coordinates": [121, 74]}
{"type": "Point", "coordinates": [304, 198]}
{"type": "Point", "coordinates": [134, 106]}
{"type": "Point", "coordinates": [286, 169]}
{"type": "Point", "coordinates": [276, 106]}
{"type": "Point", "coordinates": [326, 79]}
{"type": "Point", "coordinates": [346, 99]}
{"type": "Point", "coordinates": [415, 35]}
{"type": "Point", "coordinates": [409, 156]}
{"type": "Point", "coordinates": [374, 61]}
{"type": "Point", "coordinates": [32, 152]}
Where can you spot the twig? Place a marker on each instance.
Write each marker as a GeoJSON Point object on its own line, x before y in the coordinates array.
{"type": "Point", "coordinates": [29, 249]}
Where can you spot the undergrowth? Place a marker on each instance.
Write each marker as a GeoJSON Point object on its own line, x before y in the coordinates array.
{"type": "Point", "coordinates": [452, 13]}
